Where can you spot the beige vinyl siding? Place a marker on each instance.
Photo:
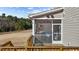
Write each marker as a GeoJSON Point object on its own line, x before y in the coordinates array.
{"type": "Point", "coordinates": [71, 26]}
{"type": "Point", "coordinates": [58, 15]}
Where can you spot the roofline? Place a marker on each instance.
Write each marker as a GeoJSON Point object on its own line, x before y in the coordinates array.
{"type": "Point", "coordinates": [53, 11]}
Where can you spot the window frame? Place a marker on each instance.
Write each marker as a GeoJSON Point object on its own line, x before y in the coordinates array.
{"type": "Point", "coordinates": [60, 41]}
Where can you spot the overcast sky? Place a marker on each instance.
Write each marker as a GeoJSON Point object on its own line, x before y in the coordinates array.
{"type": "Point", "coordinates": [21, 11]}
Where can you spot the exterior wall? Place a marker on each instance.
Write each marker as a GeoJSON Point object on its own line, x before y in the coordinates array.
{"type": "Point", "coordinates": [58, 15]}
{"type": "Point", "coordinates": [71, 26]}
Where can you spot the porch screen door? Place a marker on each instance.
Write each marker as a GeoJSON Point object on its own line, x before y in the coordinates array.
{"type": "Point", "coordinates": [56, 31]}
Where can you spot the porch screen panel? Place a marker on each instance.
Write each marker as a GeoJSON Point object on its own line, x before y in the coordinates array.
{"type": "Point", "coordinates": [43, 34]}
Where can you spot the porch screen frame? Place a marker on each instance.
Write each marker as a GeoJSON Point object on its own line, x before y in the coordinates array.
{"type": "Point", "coordinates": [61, 41]}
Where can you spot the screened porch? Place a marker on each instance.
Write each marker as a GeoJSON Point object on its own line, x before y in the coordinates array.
{"type": "Point", "coordinates": [47, 31]}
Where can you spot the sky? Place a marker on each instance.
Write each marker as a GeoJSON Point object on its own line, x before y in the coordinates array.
{"type": "Point", "coordinates": [21, 11]}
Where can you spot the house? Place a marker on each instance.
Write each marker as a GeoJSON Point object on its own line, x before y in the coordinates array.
{"type": "Point", "coordinates": [58, 26]}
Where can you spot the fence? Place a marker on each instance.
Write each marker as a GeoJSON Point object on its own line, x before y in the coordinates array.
{"type": "Point", "coordinates": [55, 48]}
{"type": "Point", "coordinates": [12, 49]}
{"type": "Point", "coordinates": [40, 48]}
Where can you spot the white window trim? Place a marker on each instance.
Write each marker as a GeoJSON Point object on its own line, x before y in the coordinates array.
{"type": "Point", "coordinates": [46, 18]}
{"type": "Point", "coordinates": [61, 41]}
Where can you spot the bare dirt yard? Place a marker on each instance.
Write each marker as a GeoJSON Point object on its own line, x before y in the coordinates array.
{"type": "Point", "coordinates": [17, 38]}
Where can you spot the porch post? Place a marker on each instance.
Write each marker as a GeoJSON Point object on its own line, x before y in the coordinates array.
{"type": "Point", "coordinates": [33, 30]}
{"type": "Point", "coordinates": [52, 32]}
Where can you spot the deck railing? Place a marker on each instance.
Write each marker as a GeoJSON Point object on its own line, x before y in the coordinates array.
{"type": "Point", "coordinates": [40, 48]}
{"type": "Point", "coordinates": [43, 49]}
{"type": "Point", "coordinates": [70, 48]}
{"type": "Point", "coordinates": [12, 49]}
{"type": "Point", "coordinates": [53, 48]}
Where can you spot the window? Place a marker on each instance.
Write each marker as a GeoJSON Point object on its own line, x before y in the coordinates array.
{"type": "Point", "coordinates": [56, 21]}
{"type": "Point", "coordinates": [57, 30]}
